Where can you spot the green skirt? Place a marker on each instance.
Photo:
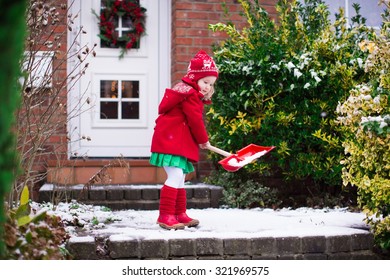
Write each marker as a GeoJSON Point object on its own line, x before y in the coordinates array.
{"type": "Point", "coordinates": [161, 160]}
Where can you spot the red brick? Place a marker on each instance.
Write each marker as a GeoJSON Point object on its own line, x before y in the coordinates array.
{"type": "Point", "coordinates": [181, 14]}
{"type": "Point", "coordinates": [143, 175]}
{"type": "Point", "coordinates": [202, 24]}
{"type": "Point", "coordinates": [197, 32]}
{"type": "Point", "coordinates": [197, 15]}
{"type": "Point", "coordinates": [183, 23]}
{"type": "Point", "coordinates": [203, 7]}
{"type": "Point", "coordinates": [183, 6]}
{"type": "Point", "coordinates": [181, 32]}
{"type": "Point", "coordinates": [183, 41]}
{"type": "Point", "coordinates": [203, 41]}
{"type": "Point", "coordinates": [269, 2]}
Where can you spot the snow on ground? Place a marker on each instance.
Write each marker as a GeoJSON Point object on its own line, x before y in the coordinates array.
{"type": "Point", "coordinates": [218, 223]}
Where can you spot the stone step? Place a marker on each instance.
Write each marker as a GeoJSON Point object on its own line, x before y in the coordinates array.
{"type": "Point", "coordinates": [338, 247]}
{"type": "Point", "coordinates": [120, 197]}
{"type": "Point", "coordinates": [106, 171]}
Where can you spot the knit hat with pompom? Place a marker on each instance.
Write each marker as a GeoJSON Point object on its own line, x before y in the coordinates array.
{"type": "Point", "coordinates": [201, 65]}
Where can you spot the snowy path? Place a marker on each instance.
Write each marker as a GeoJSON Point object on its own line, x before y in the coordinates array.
{"type": "Point", "coordinates": [223, 223]}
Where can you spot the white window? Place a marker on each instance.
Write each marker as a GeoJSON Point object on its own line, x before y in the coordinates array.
{"type": "Point", "coordinates": [119, 99]}
{"type": "Point", "coordinates": [39, 67]}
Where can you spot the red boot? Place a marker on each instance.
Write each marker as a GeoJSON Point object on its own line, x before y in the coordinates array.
{"type": "Point", "coordinates": [167, 218]}
{"type": "Point", "coordinates": [181, 208]}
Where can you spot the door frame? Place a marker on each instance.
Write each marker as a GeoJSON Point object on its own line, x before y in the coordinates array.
{"type": "Point", "coordinates": [74, 92]}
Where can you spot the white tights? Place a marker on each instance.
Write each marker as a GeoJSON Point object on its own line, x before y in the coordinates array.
{"type": "Point", "coordinates": [175, 177]}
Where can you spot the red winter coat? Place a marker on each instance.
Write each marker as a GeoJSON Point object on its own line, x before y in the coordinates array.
{"type": "Point", "coordinates": [180, 126]}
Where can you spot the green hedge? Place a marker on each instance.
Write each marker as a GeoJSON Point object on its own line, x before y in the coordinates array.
{"type": "Point", "coordinates": [280, 85]}
{"type": "Point", "coordinates": [12, 31]}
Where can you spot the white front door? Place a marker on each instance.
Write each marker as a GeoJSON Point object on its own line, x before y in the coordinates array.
{"type": "Point", "coordinates": [118, 98]}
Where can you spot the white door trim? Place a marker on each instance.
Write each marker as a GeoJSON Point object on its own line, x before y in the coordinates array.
{"type": "Point", "coordinates": [75, 94]}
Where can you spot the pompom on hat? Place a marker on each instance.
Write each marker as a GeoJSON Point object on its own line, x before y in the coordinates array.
{"type": "Point", "coordinates": [201, 65]}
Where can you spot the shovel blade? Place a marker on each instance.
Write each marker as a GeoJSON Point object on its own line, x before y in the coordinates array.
{"type": "Point", "coordinates": [243, 157]}
{"type": "Point", "coordinates": [230, 163]}
{"type": "Point", "coordinates": [252, 149]}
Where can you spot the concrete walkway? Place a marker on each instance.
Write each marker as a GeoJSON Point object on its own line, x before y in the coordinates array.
{"type": "Point", "coordinates": [225, 234]}
{"type": "Point", "coordinates": [137, 236]}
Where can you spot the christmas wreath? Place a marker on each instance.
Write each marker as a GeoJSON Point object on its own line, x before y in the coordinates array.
{"type": "Point", "coordinates": [129, 12]}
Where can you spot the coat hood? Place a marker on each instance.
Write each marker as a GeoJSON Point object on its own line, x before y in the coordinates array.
{"type": "Point", "coordinates": [174, 96]}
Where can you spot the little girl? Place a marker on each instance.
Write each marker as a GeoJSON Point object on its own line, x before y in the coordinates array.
{"type": "Point", "coordinates": [178, 134]}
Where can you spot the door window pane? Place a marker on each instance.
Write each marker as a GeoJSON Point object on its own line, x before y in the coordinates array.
{"type": "Point", "coordinates": [130, 89]}
{"type": "Point", "coordinates": [119, 99]}
{"type": "Point", "coordinates": [109, 89]}
{"type": "Point", "coordinates": [109, 110]}
{"type": "Point", "coordinates": [130, 110]}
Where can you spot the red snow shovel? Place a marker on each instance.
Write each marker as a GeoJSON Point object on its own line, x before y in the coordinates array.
{"type": "Point", "coordinates": [246, 155]}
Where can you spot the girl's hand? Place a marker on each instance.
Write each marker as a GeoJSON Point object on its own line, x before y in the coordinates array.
{"type": "Point", "coordinates": [204, 145]}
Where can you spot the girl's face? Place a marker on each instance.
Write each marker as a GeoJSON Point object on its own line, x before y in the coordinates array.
{"type": "Point", "coordinates": [206, 85]}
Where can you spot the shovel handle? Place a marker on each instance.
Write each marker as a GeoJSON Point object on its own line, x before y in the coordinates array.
{"type": "Point", "coordinates": [218, 151]}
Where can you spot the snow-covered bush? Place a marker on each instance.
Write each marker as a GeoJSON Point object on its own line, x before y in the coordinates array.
{"type": "Point", "coordinates": [280, 84]}
{"type": "Point", "coordinates": [365, 116]}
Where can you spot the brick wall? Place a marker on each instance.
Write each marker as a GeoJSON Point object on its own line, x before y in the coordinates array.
{"type": "Point", "coordinates": [190, 33]}
{"type": "Point", "coordinates": [55, 32]}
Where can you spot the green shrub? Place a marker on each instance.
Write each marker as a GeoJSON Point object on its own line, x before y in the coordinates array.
{"type": "Point", "coordinates": [30, 236]}
{"type": "Point", "coordinates": [243, 192]}
{"type": "Point", "coordinates": [365, 116]}
{"type": "Point", "coordinates": [280, 85]}
{"type": "Point", "coordinates": [12, 31]}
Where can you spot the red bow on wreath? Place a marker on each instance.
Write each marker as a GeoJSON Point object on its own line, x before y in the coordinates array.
{"type": "Point", "coordinates": [132, 18]}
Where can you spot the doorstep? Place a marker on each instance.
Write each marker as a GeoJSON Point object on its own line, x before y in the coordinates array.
{"type": "Point", "coordinates": [120, 197]}
{"type": "Point", "coordinates": [106, 172]}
